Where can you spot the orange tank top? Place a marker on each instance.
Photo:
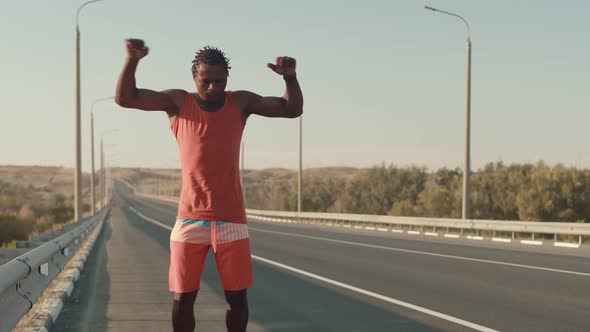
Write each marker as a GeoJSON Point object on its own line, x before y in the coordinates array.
{"type": "Point", "coordinates": [209, 146]}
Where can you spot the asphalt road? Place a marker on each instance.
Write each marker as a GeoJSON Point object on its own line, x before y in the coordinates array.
{"type": "Point", "coordinates": [319, 278]}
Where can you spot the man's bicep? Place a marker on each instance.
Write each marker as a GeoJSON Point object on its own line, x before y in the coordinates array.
{"type": "Point", "coordinates": [150, 100]}
{"type": "Point", "coordinates": [273, 107]}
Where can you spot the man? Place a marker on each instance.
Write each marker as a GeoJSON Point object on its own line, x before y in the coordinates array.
{"type": "Point", "coordinates": [208, 126]}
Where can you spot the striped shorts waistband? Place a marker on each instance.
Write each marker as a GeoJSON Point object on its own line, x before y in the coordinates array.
{"type": "Point", "coordinates": [208, 232]}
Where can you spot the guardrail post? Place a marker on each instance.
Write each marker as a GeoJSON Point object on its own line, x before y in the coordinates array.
{"type": "Point", "coordinates": [533, 236]}
{"type": "Point", "coordinates": [580, 239]}
{"type": "Point", "coordinates": [512, 235]}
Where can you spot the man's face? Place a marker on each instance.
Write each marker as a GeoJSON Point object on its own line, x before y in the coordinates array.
{"type": "Point", "coordinates": [211, 81]}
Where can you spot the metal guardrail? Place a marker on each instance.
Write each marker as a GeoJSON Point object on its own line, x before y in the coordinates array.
{"type": "Point", "coordinates": [23, 279]}
{"type": "Point", "coordinates": [392, 222]}
{"type": "Point", "coordinates": [554, 228]}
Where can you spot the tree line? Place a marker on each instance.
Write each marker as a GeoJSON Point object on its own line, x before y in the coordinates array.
{"type": "Point", "coordinates": [532, 192]}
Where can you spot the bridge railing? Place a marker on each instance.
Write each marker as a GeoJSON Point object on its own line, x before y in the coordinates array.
{"type": "Point", "coordinates": [23, 279]}
{"type": "Point", "coordinates": [430, 225]}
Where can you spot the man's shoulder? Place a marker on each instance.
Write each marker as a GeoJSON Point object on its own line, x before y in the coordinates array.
{"type": "Point", "coordinates": [177, 95]}
{"type": "Point", "coordinates": [175, 92]}
{"type": "Point", "coordinates": [242, 97]}
{"type": "Point", "coordinates": [243, 94]}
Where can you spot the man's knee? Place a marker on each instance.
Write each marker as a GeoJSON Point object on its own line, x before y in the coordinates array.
{"type": "Point", "coordinates": [237, 300]}
{"type": "Point", "coordinates": [183, 318]}
{"type": "Point", "coordinates": [186, 298]}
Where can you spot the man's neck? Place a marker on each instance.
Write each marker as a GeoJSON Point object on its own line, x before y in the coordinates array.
{"type": "Point", "coordinates": [208, 106]}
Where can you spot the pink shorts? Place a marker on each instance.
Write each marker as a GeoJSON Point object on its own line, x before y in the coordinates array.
{"type": "Point", "coordinates": [190, 242]}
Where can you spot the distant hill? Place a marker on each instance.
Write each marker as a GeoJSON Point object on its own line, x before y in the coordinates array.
{"type": "Point", "coordinates": [48, 179]}
{"type": "Point", "coordinates": [168, 180]}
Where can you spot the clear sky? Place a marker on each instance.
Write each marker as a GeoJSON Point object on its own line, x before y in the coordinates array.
{"type": "Point", "coordinates": [383, 81]}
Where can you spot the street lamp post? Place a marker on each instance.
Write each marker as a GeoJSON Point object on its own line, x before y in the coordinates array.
{"type": "Point", "coordinates": [102, 166]}
{"type": "Point", "coordinates": [466, 210]}
{"type": "Point", "coordinates": [92, 198]}
{"type": "Point", "coordinates": [92, 181]}
{"type": "Point", "coordinates": [77, 139]}
{"type": "Point", "coordinates": [300, 174]}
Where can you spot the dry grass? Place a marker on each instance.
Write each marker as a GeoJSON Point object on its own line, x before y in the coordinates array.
{"type": "Point", "coordinates": [44, 179]}
{"type": "Point", "coordinates": [169, 181]}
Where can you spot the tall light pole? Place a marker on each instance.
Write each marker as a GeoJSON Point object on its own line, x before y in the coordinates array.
{"type": "Point", "coordinates": [466, 211]}
{"type": "Point", "coordinates": [92, 183]}
{"type": "Point", "coordinates": [92, 198]}
{"type": "Point", "coordinates": [102, 166]}
{"type": "Point", "coordinates": [300, 175]}
{"type": "Point", "coordinates": [77, 139]}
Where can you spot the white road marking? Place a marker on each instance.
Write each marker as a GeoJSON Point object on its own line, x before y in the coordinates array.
{"type": "Point", "coordinates": [532, 267]}
{"type": "Point", "coordinates": [150, 219]}
{"type": "Point", "coordinates": [378, 296]}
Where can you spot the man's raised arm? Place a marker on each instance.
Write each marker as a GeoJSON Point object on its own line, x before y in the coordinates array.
{"type": "Point", "coordinates": [288, 106]}
{"type": "Point", "coordinates": [129, 96]}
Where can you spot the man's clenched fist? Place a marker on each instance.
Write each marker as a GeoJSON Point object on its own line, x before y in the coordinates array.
{"type": "Point", "coordinates": [136, 48]}
{"type": "Point", "coordinates": [285, 66]}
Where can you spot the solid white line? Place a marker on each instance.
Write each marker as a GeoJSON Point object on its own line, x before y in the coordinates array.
{"type": "Point", "coordinates": [161, 209]}
{"type": "Point", "coordinates": [127, 184]}
{"type": "Point", "coordinates": [532, 267]}
{"type": "Point", "coordinates": [566, 245]}
{"type": "Point", "coordinates": [150, 219]}
{"type": "Point", "coordinates": [378, 296]}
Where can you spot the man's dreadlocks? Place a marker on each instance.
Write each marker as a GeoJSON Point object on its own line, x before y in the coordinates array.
{"type": "Point", "coordinates": [210, 56]}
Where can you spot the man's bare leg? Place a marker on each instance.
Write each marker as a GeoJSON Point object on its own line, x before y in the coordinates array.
{"type": "Point", "coordinates": [236, 316]}
{"type": "Point", "coordinates": [183, 317]}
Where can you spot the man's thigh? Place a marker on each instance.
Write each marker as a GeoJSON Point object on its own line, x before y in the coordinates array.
{"type": "Point", "coordinates": [234, 264]}
{"type": "Point", "coordinates": [187, 261]}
